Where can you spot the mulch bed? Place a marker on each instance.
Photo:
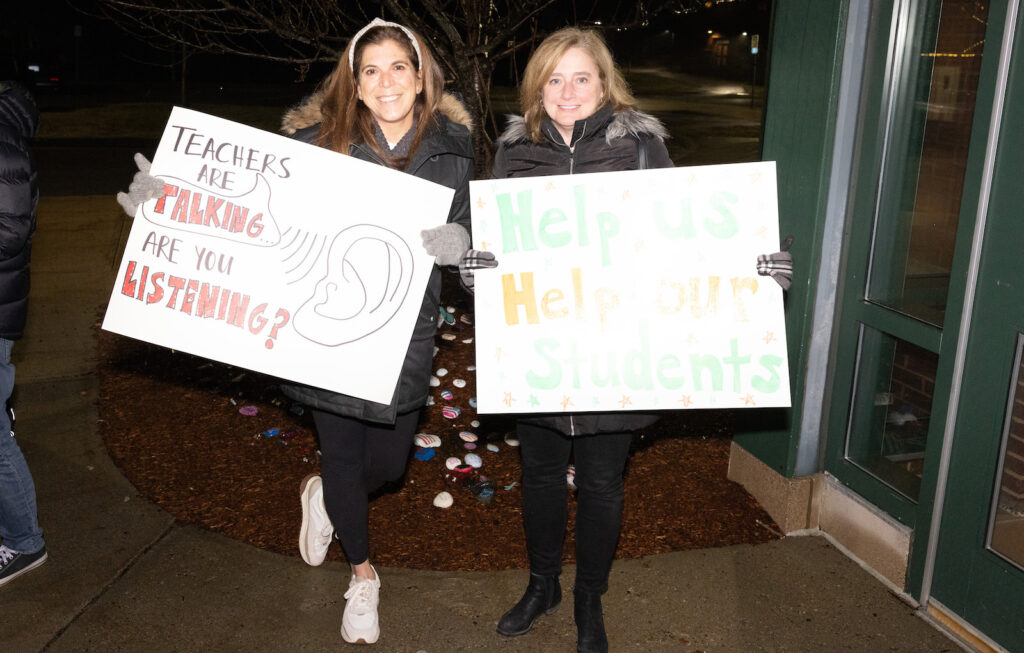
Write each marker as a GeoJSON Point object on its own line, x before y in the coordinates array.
{"type": "Point", "coordinates": [171, 423]}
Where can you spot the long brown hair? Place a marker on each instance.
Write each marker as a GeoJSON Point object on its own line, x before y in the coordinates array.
{"type": "Point", "coordinates": [546, 57]}
{"type": "Point", "coordinates": [346, 120]}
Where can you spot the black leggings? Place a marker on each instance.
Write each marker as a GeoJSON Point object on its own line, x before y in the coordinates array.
{"type": "Point", "coordinates": [600, 461]}
{"type": "Point", "coordinates": [358, 458]}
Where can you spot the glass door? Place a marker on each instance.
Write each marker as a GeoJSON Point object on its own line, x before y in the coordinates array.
{"type": "Point", "coordinates": [979, 567]}
{"type": "Point", "coordinates": [925, 108]}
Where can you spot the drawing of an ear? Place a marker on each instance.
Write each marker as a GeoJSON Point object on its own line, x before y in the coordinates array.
{"type": "Point", "coordinates": [369, 271]}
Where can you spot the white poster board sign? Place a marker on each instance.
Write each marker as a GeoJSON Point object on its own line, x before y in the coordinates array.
{"type": "Point", "coordinates": [278, 256]}
{"type": "Point", "coordinates": [629, 291]}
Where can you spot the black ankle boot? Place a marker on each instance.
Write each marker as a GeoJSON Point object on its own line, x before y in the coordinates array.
{"type": "Point", "coordinates": [542, 596]}
{"type": "Point", "coordinates": [590, 636]}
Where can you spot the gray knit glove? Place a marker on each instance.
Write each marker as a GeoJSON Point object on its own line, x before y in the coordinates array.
{"type": "Point", "coordinates": [778, 266]}
{"type": "Point", "coordinates": [144, 187]}
{"type": "Point", "coordinates": [446, 243]}
{"type": "Point", "coordinates": [473, 260]}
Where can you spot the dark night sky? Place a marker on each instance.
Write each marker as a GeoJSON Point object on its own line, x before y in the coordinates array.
{"type": "Point", "coordinates": [83, 49]}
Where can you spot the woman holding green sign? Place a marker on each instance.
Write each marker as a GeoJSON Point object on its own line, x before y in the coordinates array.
{"type": "Point", "coordinates": [578, 116]}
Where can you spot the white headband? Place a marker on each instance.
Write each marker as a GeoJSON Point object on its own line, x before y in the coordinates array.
{"type": "Point", "coordinates": [377, 22]}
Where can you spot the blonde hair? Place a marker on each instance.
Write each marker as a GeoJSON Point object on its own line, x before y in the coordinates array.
{"type": "Point", "coordinates": [346, 120]}
{"type": "Point", "coordinates": [546, 57]}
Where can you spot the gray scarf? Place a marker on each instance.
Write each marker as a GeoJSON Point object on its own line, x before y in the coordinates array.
{"type": "Point", "coordinates": [401, 148]}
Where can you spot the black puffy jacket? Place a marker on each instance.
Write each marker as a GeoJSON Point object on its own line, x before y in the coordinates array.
{"type": "Point", "coordinates": [19, 195]}
{"type": "Point", "coordinates": [607, 141]}
{"type": "Point", "coordinates": [444, 156]}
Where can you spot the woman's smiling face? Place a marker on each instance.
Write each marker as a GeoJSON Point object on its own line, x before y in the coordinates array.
{"type": "Point", "coordinates": [573, 91]}
{"type": "Point", "coordinates": [388, 85]}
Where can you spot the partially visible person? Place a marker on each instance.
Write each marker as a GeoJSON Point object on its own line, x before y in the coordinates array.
{"type": "Point", "coordinates": [385, 104]}
{"type": "Point", "coordinates": [21, 540]}
{"type": "Point", "coordinates": [578, 116]}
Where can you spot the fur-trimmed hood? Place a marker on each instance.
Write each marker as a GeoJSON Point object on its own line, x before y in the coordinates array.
{"type": "Point", "coordinates": [307, 113]}
{"type": "Point", "coordinates": [623, 123]}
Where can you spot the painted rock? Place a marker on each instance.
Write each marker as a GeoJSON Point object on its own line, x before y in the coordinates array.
{"type": "Point", "coordinates": [474, 460]}
{"type": "Point", "coordinates": [453, 462]}
{"type": "Point", "coordinates": [458, 475]}
{"type": "Point", "coordinates": [448, 336]}
{"type": "Point", "coordinates": [467, 341]}
{"type": "Point", "coordinates": [475, 423]}
{"type": "Point", "coordinates": [430, 400]}
{"type": "Point", "coordinates": [441, 371]}
{"type": "Point", "coordinates": [426, 440]}
{"type": "Point", "coordinates": [451, 309]}
{"type": "Point", "coordinates": [511, 440]}
{"type": "Point", "coordinates": [492, 447]}
{"type": "Point", "coordinates": [570, 477]}
{"type": "Point", "coordinates": [249, 411]}
{"type": "Point", "coordinates": [467, 436]}
{"type": "Point", "coordinates": [434, 382]}
{"type": "Point", "coordinates": [424, 454]}
{"type": "Point", "coordinates": [472, 402]}
{"type": "Point", "coordinates": [471, 368]}
{"type": "Point", "coordinates": [443, 500]}
{"type": "Point", "coordinates": [459, 383]}
{"type": "Point", "coordinates": [465, 319]}
{"type": "Point", "coordinates": [469, 445]}
{"type": "Point", "coordinates": [447, 395]}
{"type": "Point", "coordinates": [451, 412]}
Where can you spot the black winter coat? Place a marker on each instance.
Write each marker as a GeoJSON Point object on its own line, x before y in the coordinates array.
{"type": "Point", "coordinates": [444, 156]}
{"type": "Point", "coordinates": [19, 196]}
{"type": "Point", "coordinates": [605, 142]}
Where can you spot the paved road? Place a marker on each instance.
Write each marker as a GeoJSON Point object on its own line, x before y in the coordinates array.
{"type": "Point", "coordinates": [87, 166]}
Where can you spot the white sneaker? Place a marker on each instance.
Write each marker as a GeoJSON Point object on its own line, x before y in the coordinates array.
{"type": "Point", "coordinates": [316, 531]}
{"type": "Point", "coordinates": [359, 624]}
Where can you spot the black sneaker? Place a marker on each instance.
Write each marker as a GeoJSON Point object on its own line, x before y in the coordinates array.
{"type": "Point", "coordinates": [14, 564]}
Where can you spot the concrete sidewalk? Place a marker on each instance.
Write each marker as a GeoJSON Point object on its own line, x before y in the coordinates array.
{"type": "Point", "coordinates": [122, 576]}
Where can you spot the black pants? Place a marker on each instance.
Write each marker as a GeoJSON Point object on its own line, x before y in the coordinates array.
{"type": "Point", "coordinates": [358, 458]}
{"type": "Point", "coordinates": [600, 461]}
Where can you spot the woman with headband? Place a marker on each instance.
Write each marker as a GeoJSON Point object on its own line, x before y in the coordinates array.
{"type": "Point", "coordinates": [383, 103]}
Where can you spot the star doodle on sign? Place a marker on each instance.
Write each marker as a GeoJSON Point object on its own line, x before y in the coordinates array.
{"type": "Point", "coordinates": [761, 232]}
{"type": "Point", "coordinates": [498, 353]}
{"type": "Point", "coordinates": [692, 179]}
{"type": "Point", "coordinates": [625, 194]}
{"type": "Point", "coordinates": [485, 245]}
{"type": "Point", "coordinates": [625, 401]}
{"type": "Point", "coordinates": [566, 402]}
{"type": "Point", "coordinates": [755, 177]}
{"type": "Point", "coordinates": [480, 202]}
{"type": "Point", "coordinates": [508, 400]}
{"type": "Point", "coordinates": [691, 338]}
{"type": "Point", "coordinates": [550, 186]}
{"type": "Point", "coordinates": [534, 401]}
{"type": "Point", "coordinates": [769, 337]}
{"type": "Point", "coordinates": [748, 400]}
{"type": "Point", "coordinates": [686, 401]}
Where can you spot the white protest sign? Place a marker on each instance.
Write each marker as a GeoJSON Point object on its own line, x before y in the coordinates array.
{"type": "Point", "coordinates": [629, 291]}
{"type": "Point", "coordinates": [278, 256]}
